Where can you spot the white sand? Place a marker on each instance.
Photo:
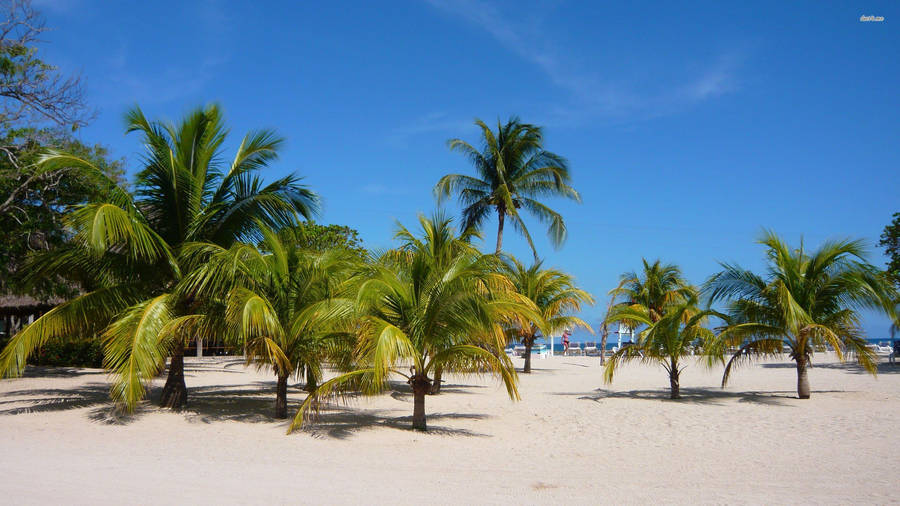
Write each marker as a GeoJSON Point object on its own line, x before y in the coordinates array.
{"type": "Point", "coordinates": [570, 440]}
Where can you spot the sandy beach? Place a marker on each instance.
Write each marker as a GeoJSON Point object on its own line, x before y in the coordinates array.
{"type": "Point", "coordinates": [570, 440]}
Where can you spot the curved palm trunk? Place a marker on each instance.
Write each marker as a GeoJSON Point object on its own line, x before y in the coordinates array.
{"type": "Point", "coordinates": [281, 397]}
{"type": "Point", "coordinates": [674, 384]}
{"type": "Point", "coordinates": [436, 383]}
{"type": "Point", "coordinates": [501, 216]}
{"type": "Point", "coordinates": [174, 394]}
{"type": "Point", "coordinates": [528, 344]}
{"type": "Point", "coordinates": [802, 378]}
{"type": "Point", "coordinates": [420, 386]}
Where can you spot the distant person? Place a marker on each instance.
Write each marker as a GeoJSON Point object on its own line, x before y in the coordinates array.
{"type": "Point", "coordinates": [565, 340]}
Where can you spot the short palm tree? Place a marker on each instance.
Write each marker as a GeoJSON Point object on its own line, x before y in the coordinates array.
{"type": "Point", "coordinates": [513, 171]}
{"type": "Point", "coordinates": [555, 296]}
{"type": "Point", "coordinates": [418, 312]}
{"type": "Point", "coordinates": [805, 300]}
{"type": "Point", "coordinates": [128, 250]}
{"type": "Point", "coordinates": [652, 291]}
{"type": "Point", "coordinates": [665, 341]}
{"type": "Point", "coordinates": [284, 307]}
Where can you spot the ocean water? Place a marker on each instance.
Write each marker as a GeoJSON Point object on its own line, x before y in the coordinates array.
{"type": "Point", "coordinates": [613, 341]}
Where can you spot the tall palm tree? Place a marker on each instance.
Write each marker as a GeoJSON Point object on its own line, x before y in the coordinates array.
{"type": "Point", "coordinates": [805, 300]}
{"type": "Point", "coordinates": [651, 292]}
{"type": "Point", "coordinates": [512, 172]}
{"type": "Point", "coordinates": [665, 341]}
{"type": "Point", "coordinates": [555, 296]}
{"type": "Point", "coordinates": [129, 249]}
{"type": "Point", "coordinates": [418, 312]}
{"type": "Point", "coordinates": [284, 306]}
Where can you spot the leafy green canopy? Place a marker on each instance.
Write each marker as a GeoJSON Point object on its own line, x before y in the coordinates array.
{"type": "Point", "coordinates": [35, 204]}
{"type": "Point", "coordinates": [287, 307]}
{"type": "Point", "coordinates": [512, 171]}
{"type": "Point", "coordinates": [804, 301]}
{"type": "Point", "coordinates": [674, 336]}
{"type": "Point", "coordinates": [132, 248]}
{"type": "Point", "coordinates": [434, 303]}
{"type": "Point", "coordinates": [311, 236]}
{"type": "Point", "coordinates": [649, 294]}
{"type": "Point", "coordinates": [890, 240]}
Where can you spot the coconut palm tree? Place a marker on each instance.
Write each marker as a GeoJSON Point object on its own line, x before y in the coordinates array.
{"type": "Point", "coordinates": [418, 312]}
{"type": "Point", "coordinates": [651, 292]}
{"type": "Point", "coordinates": [555, 296]}
{"type": "Point", "coordinates": [512, 172]}
{"type": "Point", "coordinates": [665, 341]}
{"type": "Point", "coordinates": [128, 249]}
{"type": "Point", "coordinates": [283, 306]}
{"type": "Point", "coordinates": [805, 300]}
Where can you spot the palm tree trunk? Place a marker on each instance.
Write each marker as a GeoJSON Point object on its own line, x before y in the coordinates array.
{"type": "Point", "coordinates": [501, 216]}
{"type": "Point", "coordinates": [528, 344]}
{"type": "Point", "coordinates": [420, 386]}
{"type": "Point", "coordinates": [281, 397]}
{"type": "Point", "coordinates": [603, 337]}
{"type": "Point", "coordinates": [312, 383]}
{"type": "Point", "coordinates": [174, 394]}
{"type": "Point", "coordinates": [436, 383]}
{"type": "Point", "coordinates": [802, 377]}
{"type": "Point", "coordinates": [674, 384]}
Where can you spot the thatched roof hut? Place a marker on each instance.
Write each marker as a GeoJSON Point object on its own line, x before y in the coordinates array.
{"type": "Point", "coordinates": [24, 305]}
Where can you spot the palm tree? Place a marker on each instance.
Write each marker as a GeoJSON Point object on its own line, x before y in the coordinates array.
{"type": "Point", "coordinates": [658, 287]}
{"type": "Point", "coordinates": [805, 300]}
{"type": "Point", "coordinates": [665, 341]}
{"type": "Point", "coordinates": [423, 311]}
{"type": "Point", "coordinates": [283, 307]}
{"type": "Point", "coordinates": [129, 249]}
{"type": "Point", "coordinates": [513, 171]}
{"type": "Point", "coordinates": [555, 296]}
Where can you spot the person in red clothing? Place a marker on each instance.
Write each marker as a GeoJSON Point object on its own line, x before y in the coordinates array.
{"type": "Point", "coordinates": [565, 340]}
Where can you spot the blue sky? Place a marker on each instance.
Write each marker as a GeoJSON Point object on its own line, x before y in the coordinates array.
{"type": "Point", "coordinates": [689, 128]}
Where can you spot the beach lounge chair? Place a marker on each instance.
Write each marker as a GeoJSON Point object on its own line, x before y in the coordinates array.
{"type": "Point", "coordinates": [520, 350]}
{"type": "Point", "coordinates": [574, 349]}
{"type": "Point", "coordinates": [541, 350]}
{"type": "Point", "coordinates": [590, 349]}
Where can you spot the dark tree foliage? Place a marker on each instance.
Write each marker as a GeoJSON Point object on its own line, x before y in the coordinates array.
{"type": "Point", "coordinates": [39, 108]}
{"type": "Point", "coordinates": [33, 218]}
{"type": "Point", "coordinates": [309, 235]}
{"type": "Point", "coordinates": [890, 240]}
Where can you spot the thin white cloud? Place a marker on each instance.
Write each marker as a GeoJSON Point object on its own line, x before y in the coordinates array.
{"type": "Point", "coordinates": [590, 95]}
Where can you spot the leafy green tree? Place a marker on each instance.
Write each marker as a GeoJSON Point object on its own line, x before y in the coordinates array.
{"type": "Point", "coordinates": [512, 172]}
{"type": "Point", "coordinates": [422, 311]}
{"type": "Point", "coordinates": [311, 236]}
{"type": "Point", "coordinates": [285, 308]}
{"type": "Point", "coordinates": [554, 295]}
{"type": "Point", "coordinates": [34, 211]}
{"type": "Point", "coordinates": [131, 247]}
{"type": "Point", "coordinates": [666, 340]}
{"type": "Point", "coordinates": [805, 300]}
{"type": "Point", "coordinates": [890, 241]}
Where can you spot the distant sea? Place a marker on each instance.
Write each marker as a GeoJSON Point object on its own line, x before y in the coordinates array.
{"type": "Point", "coordinates": [613, 340]}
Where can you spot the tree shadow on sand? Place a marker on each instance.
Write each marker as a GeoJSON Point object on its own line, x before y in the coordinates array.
{"type": "Point", "coordinates": [341, 422]}
{"type": "Point", "coordinates": [848, 366]}
{"type": "Point", "coordinates": [707, 396]}
{"type": "Point", "coordinates": [38, 400]}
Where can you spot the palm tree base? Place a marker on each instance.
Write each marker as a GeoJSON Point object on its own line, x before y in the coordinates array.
{"type": "Point", "coordinates": [174, 394]}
